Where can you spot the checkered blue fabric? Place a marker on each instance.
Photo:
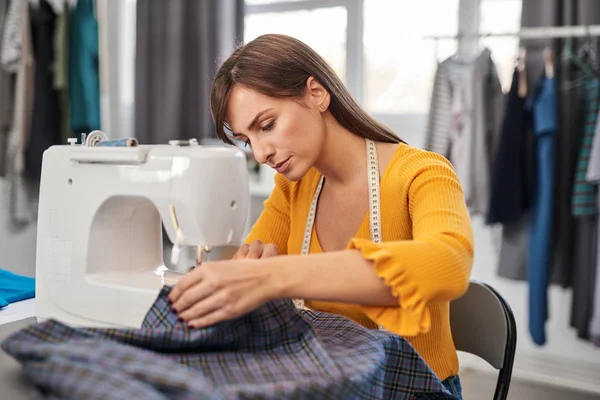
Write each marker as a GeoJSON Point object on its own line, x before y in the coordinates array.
{"type": "Point", "coordinates": [276, 352]}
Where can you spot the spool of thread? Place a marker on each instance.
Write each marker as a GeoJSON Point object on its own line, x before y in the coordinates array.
{"type": "Point", "coordinates": [130, 142]}
{"type": "Point", "coordinates": [95, 137]}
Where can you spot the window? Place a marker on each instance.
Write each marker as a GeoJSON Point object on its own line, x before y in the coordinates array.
{"type": "Point", "coordinates": [333, 28]}
{"type": "Point", "coordinates": [399, 62]}
{"type": "Point", "coordinates": [375, 46]}
{"type": "Point", "coordinates": [381, 49]}
{"type": "Point", "coordinates": [330, 44]}
{"type": "Point", "coordinates": [501, 16]}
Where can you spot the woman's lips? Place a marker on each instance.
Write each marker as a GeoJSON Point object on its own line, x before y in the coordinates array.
{"type": "Point", "coordinates": [282, 167]}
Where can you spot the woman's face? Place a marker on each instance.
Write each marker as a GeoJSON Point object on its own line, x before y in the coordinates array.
{"type": "Point", "coordinates": [282, 133]}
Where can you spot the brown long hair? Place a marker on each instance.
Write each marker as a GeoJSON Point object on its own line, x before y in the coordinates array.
{"type": "Point", "coordinates": [279, 66]}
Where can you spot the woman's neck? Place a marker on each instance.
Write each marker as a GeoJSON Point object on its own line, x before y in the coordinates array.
{"type": "Point", "coordinates": [343, 158]}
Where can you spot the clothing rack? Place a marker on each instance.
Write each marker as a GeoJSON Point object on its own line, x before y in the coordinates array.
{"type": "Point", "coordinates": [546, 32]}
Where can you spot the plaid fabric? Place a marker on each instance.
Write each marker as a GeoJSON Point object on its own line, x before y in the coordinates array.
{"type": "Point", "coordinates": [275, 352]}
{"type": "Point", "coordinates": [584, 192]}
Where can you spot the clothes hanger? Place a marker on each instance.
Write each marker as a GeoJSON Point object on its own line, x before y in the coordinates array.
{"type": "Point", "coordinates": [522, 88]}
{"type": "Point", "coordinates": [569, 56]}
{"type": "Point", "coordinates": [588, 54]}
{"type": "Point", "coordinates": [435, 51]}
{"type": "Point", "coordinates": [549, 62]}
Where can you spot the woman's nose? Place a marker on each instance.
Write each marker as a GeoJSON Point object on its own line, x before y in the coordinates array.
{"type": "Point", "coordinates": [262, 152]}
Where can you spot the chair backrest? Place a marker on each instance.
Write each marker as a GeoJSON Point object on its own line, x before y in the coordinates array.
{"type": "Point", "coordinates": [480, 324]}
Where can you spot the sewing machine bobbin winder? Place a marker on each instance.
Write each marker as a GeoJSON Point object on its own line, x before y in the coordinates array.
{"type": "Point", "coordinates": [99, 260]}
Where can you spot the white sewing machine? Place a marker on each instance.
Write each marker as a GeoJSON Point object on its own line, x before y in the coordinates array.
{"type": "Point", "coordinates": [99, 260]}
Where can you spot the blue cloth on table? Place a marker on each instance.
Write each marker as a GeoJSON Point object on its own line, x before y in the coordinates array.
{"type": "Point", "coordinates": [15, 288]}
{"type": "Point", "coordinates": [275, 352]}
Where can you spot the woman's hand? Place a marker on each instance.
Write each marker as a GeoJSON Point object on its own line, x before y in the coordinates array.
{"type": "Point", "coordinates": [223, 290]}
{"type": "Point", "coordinates": [256, 249]}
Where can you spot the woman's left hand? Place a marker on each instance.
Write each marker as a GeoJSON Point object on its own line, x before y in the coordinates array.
{"type": "Point", "coordinates": [222, 290]}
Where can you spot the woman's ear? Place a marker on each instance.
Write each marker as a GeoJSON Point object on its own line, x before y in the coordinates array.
{"type": "Point", "coordinates": [318, 95]}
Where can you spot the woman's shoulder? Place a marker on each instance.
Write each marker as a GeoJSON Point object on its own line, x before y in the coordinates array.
{"type": "Point", "coordinates": [406, 163]}
{"type": "Point", "coordinates": [409, 161]}
{"type": "Point", "coordinates": [420, 173]}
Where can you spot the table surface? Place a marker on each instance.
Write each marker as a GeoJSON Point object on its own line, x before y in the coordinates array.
{"type": "Point", "coordinates": [12, 318]}
{"type": "Point", "coordinates": [13, 383]}
{"type": "Point", "coordinates": [16, 311]}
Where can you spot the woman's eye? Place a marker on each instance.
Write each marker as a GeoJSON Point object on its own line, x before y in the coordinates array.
{"type": "Point", "coordinates": [269, 126]}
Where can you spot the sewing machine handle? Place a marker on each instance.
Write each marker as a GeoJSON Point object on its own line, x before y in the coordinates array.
{"type": "Point", "coordinates": [115, 155]}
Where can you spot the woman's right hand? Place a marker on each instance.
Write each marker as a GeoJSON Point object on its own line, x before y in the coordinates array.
{"type": "Point", "coordinates": [256, 249]}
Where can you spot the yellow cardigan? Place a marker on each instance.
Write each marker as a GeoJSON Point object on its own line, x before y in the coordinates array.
{"type": "Point", "coordinates": [426, 254]}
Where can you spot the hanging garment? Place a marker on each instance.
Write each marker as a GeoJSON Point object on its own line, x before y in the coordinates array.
{"type": "Point", "coordinates": [275, 352]}
{"type": "Point", "coordinates": [60, 70]}
{"type": "Point", "coordinates": [23, 193]}
{"type": "Point", "coordinates": [45, 123]}
{"type": "Point", "coordinates": [57, 5]}
{"type": "Point", "coordinates": [540, 13]}
{"type": "Point", "coordinates": [539, 260]}
{"type": "Point", "coordinates": [514, 247]}
{"type": "Point", "coordinates": [593, 176]}
{"type": "Point", "coordinates": [584, 193]}
{"type": "Point", "coordinates": [513, 257]}
{"type": "Point", "coordinates": [83, 70]}
{"type": "Point", "coordinates": [10, 55]}
{"type": "Point", "coordinates": [584, 262]}
{"type": "Point", "coordinates": [584, 270]}
{"type": "Point", "coordinates": [509, 184]}
{"type": "Point", "coordinates": [7, 93]}
{"type": "Point", "coordinates": [464, 123]}
{"type": "Point", "coordinates": [572, 116]}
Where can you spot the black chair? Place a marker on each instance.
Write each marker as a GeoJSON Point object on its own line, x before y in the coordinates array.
{"type": "Point", "coordinates": [483, 324]}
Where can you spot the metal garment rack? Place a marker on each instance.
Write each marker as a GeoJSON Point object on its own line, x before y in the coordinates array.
{"type": "Point", "coordinates": [546, 32]}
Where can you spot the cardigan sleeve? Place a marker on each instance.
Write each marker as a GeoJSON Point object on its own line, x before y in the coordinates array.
{"type": "Point", "coordinates": [273, 224]}
{"type": "Point", "coordinates": [435, 265]}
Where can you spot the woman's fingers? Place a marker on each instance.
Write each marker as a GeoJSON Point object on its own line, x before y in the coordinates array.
{"type": "Point", "coordinates": [242, 252]}
{"type": "Point", "coordinates": [256, 249]}
{"type": "Point", "coordinates": [270, 250]}
{"type": "Point", "coordinates": [193, 295]}
{"type": "Point", "coordinates": [218, 308]}
{"type": "Point", "coordinates": [213, 318]}
{"type": "Point", "coordinates": [184, 284]}
{"type": "Point", "coordinates": [206, 306]}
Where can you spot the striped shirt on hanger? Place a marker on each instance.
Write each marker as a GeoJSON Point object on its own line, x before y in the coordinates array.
{"type": "Point", "coordinates": [584, 193]}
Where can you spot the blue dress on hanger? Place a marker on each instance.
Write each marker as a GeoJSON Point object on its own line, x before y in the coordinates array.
{"type": "Point", "coordinates": [84, 70]}
{"type": "Point", "coordinates": [542, 105]}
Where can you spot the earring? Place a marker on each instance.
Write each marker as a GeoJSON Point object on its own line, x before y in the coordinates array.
{"type": "Point", "coordinates": [322, 107]}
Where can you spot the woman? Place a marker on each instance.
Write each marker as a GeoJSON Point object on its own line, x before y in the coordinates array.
{"type": "Point", "coordinates": [359, 223]}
